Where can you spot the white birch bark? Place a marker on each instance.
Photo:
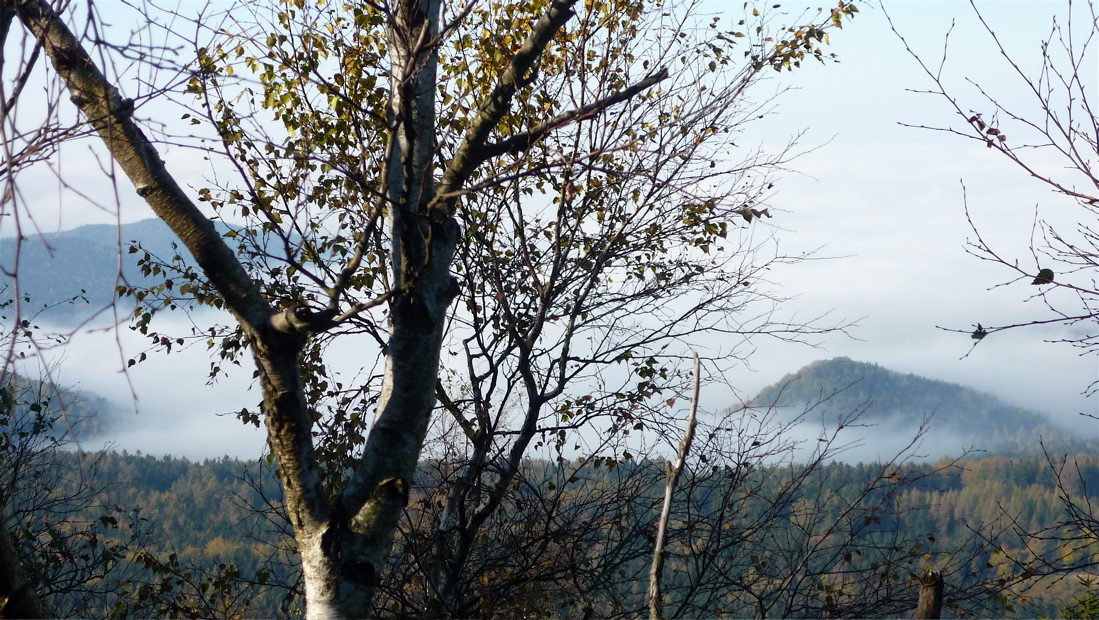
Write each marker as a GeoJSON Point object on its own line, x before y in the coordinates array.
{"type": "Point", "coordinates": [656, 572]}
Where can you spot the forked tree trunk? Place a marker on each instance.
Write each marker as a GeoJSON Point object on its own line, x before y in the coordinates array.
{"type": "Point", "coordinates": [344, 545]}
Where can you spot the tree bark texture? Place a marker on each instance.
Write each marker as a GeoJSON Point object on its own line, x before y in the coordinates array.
{"type": "Point", "coordinates": [931, 596]}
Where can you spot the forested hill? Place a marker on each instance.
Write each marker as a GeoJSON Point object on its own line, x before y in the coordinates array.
{"type": "Point", "coordinates": [75, 272]}
{"type": "Point", "coordinates": [204, 515]}
{"type": "Point", "coordinates": [899, 402]}
{"type": "Point", "coordinates": [61, 413]}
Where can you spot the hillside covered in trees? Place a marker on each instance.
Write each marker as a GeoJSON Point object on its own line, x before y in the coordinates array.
{"type": "Point", "coordinates": [212, 519]}
{"type": "Point", "coordinates": [897, 405]}
{"type": "Point", "coordinates": [69, 275]}
{"type": "Point", "coordinates": [212, 538]}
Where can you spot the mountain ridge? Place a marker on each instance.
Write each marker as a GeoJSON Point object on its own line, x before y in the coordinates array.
{"type": "Point", "coordinates": [74, 273]}
{"type": "Point", "coordinates": [896, 402]}
{"type": "Point", "coordinates": [84, 264]}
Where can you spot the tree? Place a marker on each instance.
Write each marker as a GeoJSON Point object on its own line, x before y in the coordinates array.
{"type": "Point", "coordinates": [54, 556]}
{"type": "Point", "coordinates": [567, 162]}
{"type": "Point", "coordinates": [1053, 138]}
{"type": "Point", "coordinates": [1055, 141]}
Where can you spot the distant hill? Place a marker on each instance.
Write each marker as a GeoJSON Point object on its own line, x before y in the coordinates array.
{"type": "Point", "coordinates": [895, 404]}
{"type": "Point", "coordinates": [75, 272]}
{"type": "Point", "coordinates": [59, 411]}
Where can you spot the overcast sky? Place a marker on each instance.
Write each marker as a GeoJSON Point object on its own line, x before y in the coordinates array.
{"type": "Point", "coordinates": [890, 198]}
{"type": "Point", "coordinates": [884, 199]}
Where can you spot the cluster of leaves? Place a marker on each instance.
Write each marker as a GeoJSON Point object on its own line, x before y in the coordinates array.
{"type": "Point", "coordinates": [170, 588]}
{"type": "Point", "coordinates": [992, 132]}
{"type": "Point", "coordinates": [797, 43]}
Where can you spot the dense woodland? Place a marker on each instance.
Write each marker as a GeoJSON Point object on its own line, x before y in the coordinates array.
{"type": "Point", "coordinates": [200, 520]}
{"type": "Point", "coordinates": [132, 535]}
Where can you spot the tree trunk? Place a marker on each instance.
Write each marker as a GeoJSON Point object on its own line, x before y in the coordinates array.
{"type": "Point", "coordinates": [275, 338]}
{"type": "Point", "coordinates": [931, 596]}
{"type": "Point", "coordinates": [656, 571]}
{"type": "Point", "coordinates": [343, 546]}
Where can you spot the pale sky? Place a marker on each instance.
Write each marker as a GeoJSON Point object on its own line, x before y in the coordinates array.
{"type": "Point", "coordinates": [889, 198]}
{"type": "Point", "coordinates": [886, 200]}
